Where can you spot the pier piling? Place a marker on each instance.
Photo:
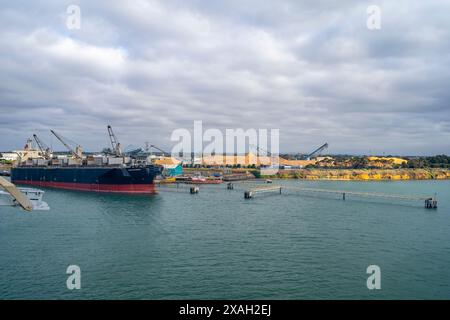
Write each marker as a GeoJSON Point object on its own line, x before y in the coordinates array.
{"type": "Point", "coordinates": [194, 190]}
{"type": "Point", "coordinates": [431, 203]}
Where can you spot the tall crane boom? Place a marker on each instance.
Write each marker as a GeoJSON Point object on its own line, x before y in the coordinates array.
{"type": "Point", "coordinates": [159, 149]}
{"type": "Point", "coordinates": [73, 152]}
{"type": "Point", "coordinates": [318, 150]}
{"type": "Point", "coordinates": [115, 144]}
{"type": "Point", "coordinates": [45, 151]}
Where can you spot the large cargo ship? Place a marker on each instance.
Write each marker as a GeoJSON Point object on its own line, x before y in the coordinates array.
{"type": "Point", "coordinates": [137, 180]}
{"type": "Point", "coordinates": [114, 171]}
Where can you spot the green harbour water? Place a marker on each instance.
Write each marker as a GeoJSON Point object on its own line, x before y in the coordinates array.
{"type": "Point", "coordinates": [217, 245]}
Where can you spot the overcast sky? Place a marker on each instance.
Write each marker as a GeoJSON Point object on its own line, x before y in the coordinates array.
{"type": "Point", "coordinates": [310, 68]}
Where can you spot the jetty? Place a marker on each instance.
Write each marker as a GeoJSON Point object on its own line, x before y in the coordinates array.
{"type": "Point", "coordinates": [429, 202]}
{"type": "Point", "coordinates": [178, 187]}
{"type": "Point", "coordinates": [262, 189]}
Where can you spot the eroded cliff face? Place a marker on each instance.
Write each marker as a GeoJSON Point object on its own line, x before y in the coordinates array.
{"type": "Point", "coordinates": [365, 174]}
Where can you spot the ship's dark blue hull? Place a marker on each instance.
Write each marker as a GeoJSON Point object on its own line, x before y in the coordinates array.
{"type": "Point", "coordinates": [97, 179]}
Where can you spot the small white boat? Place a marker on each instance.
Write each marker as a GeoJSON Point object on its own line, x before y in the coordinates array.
{"type": "Point", "coordinates": [34, 195]}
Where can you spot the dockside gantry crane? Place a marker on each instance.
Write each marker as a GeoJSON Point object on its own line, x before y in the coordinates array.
{"type": "Point", "coordinates": [317, 151]}
{"type": "Point", "coordinates": [45, 150]}
{"type": "Point", "coordinates": [159, 149]}
{"type": "Point", "coordinates": [115, 144]}
{"type": "Point", "coordinates": [77, 153]}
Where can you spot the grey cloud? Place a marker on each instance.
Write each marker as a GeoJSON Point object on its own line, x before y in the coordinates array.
{"type": "Point", "coordinates": [310, 68]}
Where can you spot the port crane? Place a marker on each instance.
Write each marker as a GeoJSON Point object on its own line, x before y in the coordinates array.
{"type": "Point", "coordinates": [115, 144]}
{"type": "Point", "coordinates": [159, 149]}
{"type": "Point", "coordinates": [317, 151]}
{"type": "Point", "coordinates": [45, 150]}
{"type": "Point", "coordinates": [77, 153]}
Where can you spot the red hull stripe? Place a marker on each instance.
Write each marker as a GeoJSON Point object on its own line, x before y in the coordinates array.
{"type": "Point", "coordinates": [114, 188]}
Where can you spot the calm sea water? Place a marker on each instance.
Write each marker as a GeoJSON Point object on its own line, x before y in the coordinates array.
{"type": "Point", "coordinates": [216, 245]}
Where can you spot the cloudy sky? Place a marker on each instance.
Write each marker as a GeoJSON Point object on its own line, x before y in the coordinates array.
{"type": "Point", "coordinates": [311, 68]}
